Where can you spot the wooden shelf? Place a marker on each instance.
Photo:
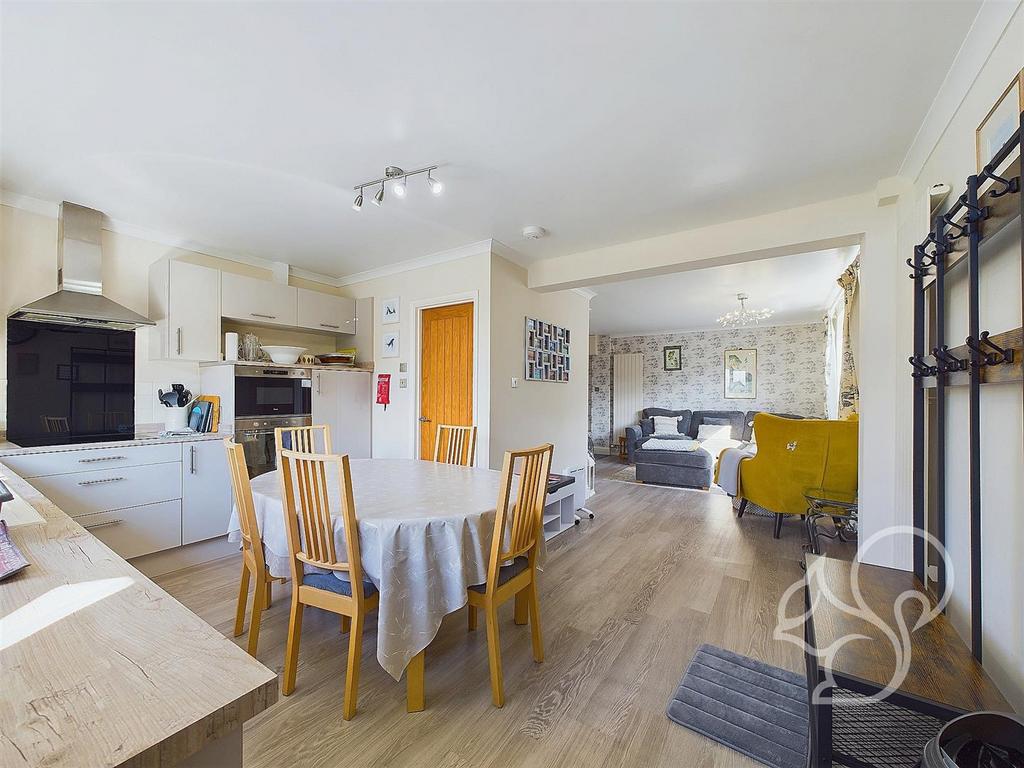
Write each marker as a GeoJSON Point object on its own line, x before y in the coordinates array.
{"type": "Point", "coordinates": [990, 374]}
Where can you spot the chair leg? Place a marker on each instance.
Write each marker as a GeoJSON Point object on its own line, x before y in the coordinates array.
{"type": "Point", "coordinates": [742, 509]}
{"type": "Point", "coordinates": [259, 596]}
{"type": "Point", "coordinates": [538, 641]}
{"type": "Point", "coordinates": [355, 651]}
{"type": "Point", "coordinates": [346, 624]}
{"type": "Point", "coordinates": [472, 617]}
{"type": "Point", "coordinates": [778, 526]}
{"type": "Point", "coordinates": [270, 593]}
{"type": "Point", "coordinates": [414, 698]}
{"type": "Point", "coordinates": [494, 656]}
{"type": "Point", "coordinates": [243, 596]}
{"type": "Point", "coordinates": [291, 650]}
{"type": "Point", "coordinates": [521, 609]}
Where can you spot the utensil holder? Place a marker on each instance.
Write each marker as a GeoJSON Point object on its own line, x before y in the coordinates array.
{"type": "Point", "coordinates": [177, 419]}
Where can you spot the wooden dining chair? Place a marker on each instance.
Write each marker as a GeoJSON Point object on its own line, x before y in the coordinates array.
{"type": "Point", "coordinates": [455, 445]}
{"type": "Point", "coordinates": [512, 568]}
{"type": "Point", "coordinates": [304, 491]}
{"type": "Point", "coordinates": [253, 563]}
{"type": "Point", "coordinates": [314, 439]}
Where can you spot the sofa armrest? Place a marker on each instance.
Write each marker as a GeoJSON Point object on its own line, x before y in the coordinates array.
{"type": "Point", "coordinates": [634, 435]}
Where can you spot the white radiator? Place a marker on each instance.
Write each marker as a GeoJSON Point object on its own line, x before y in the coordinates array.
{"type": "Point", "coordinates": [627, 391]}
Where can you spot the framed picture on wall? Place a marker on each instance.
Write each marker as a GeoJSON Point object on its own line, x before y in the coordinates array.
{"type": "Point", "coordinates": [389, 311]}
{"type": "Point", "coordinates": [672, 358]}
{"type": "Point", "coordinates": [740, 374]}
{"type": "Point", "coordinates": [547, 351]}
{"type": "Point", "coordinates": [1000, 122]}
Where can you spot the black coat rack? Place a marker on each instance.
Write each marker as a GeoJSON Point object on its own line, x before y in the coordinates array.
{"type": "Point", "coordinates": [992, 200]}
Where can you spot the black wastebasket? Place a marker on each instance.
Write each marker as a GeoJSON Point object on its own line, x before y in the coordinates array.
{"type": "Point", "coordinates": [978, 740]}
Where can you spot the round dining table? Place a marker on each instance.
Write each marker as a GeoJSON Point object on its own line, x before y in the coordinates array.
{"type": "Point", "coordinates": [425, 533]}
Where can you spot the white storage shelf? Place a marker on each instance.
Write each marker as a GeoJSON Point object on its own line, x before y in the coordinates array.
{"type": "Point", "coordinates": [560, 511]}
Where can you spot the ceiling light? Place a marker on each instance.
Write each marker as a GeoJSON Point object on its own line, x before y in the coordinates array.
{"type": "Point", "coordinates": [358, 202]}
{"type": "Point", "coordinates": [435, 186]}
{"type": "Point", "coordinates": [743, 317]}
{"type": "Point", "coordinates": [378, 199]}
{"type": "Point", "coordinates": [399, 188]}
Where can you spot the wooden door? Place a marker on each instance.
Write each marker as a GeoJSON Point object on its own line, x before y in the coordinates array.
{"type": "Point", "coordinates": [446, 371]}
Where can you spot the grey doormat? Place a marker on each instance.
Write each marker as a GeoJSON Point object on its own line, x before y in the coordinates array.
{"type": "Point", "coordinates": [753, 708]}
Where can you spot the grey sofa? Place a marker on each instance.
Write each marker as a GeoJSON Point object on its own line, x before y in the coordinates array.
{"type": "Point", "coordinates": [689, 469]}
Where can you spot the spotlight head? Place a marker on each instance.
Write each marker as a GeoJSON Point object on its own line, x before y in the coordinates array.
{"type": "Point", "coordinates": [399, 187]}
{"type": "Point", "coordinates": [358, 202]}
{"type": "Point", "coordinates": [436, 186]}
{"type": "Point", "coordinates": [378, 199]}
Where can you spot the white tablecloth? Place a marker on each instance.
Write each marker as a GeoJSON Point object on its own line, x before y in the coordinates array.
{"type": "Point", "coordinates": [424, 532]}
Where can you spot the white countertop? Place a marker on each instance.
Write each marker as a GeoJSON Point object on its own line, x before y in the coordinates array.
{"type": "Point", "coordinates": [145, 434]}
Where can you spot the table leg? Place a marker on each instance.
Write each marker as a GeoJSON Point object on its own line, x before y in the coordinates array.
{"type": "Point", "coordinates": [414, 684]}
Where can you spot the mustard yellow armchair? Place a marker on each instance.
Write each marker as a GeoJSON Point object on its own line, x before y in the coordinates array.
{"type": "Point", "coordinates": [794, 455]}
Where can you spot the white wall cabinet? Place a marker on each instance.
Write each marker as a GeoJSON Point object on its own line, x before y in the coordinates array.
{"type": "Point", "coordinates": [342, 400]}
{"type": "Point", "coordinates": [258, 301]}
{"type": "Point", "coordinates": [205, 491]}
{"type": "Point", "coordinates": [326, 312]}
{"type": "Point", "coordinates": [184, 301]}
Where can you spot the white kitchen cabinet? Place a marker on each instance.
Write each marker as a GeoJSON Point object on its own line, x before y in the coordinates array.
{"type": "Point", "coordinates": [342, 400]}
{"type": "Point", "coordinates": [205, 491]}
{"type": "Point", "coordinates": [258, 301]}
{"type": "Point", "coordinates": [184, 301]}
{"type": "Point", "coordinates": [326, 312]}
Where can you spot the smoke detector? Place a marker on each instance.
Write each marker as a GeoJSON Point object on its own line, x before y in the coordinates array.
{"type": "Point", "coordinates": [534, 232]}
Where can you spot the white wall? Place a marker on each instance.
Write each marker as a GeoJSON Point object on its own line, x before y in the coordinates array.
{"type": "Point", "coordinates": [536, 412]}
{"type": "Point", "coordinates": [951, 159]}
{"type": "Point", "coordinates": [395, 432]}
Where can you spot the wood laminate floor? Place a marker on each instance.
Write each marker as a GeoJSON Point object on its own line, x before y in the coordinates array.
{"type": "Point", "coordinates": [625, 601]}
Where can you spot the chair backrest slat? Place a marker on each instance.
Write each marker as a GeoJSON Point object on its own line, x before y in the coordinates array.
{"type": "Point", "coordinates": [306, 493]}
{"type": "Point", "coordinates": [314, 439]}
{"type": "Point", "coordinates": [519, 521]}
{"type": "Point", "coordinates": [252, 543]}
{"type": "Point", "coordinates": [455, 445]}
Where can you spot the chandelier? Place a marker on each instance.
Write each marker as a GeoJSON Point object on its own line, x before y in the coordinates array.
{"type": "Point", "coordinates": [742, 317]}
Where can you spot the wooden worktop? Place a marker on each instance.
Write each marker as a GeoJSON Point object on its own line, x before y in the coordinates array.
{"type": "Point", "coordinates": [941, 668]}
{"type": "Point", "coordinates": [101, 667]}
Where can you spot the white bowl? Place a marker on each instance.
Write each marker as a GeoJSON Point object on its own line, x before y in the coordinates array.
{"type": "Point", "coordinates": [284, 355]}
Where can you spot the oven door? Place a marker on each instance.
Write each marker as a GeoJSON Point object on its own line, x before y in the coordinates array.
{"type": "Point", "coordinates": [273, 392]}
{"type": "Point", "coordinates": [256, 436]}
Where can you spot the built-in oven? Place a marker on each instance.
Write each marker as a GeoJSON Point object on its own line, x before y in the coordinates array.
{"type": "Point", "coordinates": [267, 398]}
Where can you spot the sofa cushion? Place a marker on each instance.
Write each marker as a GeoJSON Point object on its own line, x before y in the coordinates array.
{"type": "Point", "coordinates": [698, 458]}
{"type": "Point", "coordinates": [733, 418]}
{"type": "Point", "coordinates": [684, 418]}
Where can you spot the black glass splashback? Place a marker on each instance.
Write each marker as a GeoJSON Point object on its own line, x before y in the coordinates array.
{"type": "Point", "coordinates": [69, 384]}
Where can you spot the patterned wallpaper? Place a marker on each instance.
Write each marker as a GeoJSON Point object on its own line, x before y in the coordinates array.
{"type": "Point", "coordinates": [790, 372]}
{"type": "Point", "coordinates": [601, 391]}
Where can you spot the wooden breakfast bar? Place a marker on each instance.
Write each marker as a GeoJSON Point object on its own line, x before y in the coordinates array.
{"type": "Point", "coordinates": [101, 667]}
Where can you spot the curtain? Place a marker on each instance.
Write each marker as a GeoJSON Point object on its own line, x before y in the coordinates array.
{"type": "Point", "coordinates": [849, 394]}
{"type": "Point", "coordinates": [833, 356]}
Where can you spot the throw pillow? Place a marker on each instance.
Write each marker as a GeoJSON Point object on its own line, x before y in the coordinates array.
{"type": "Point", "coordinates": [666, 425]}
{"type": "Point", "coordinates": [713, 431]}
{"type": "Point", "coordinates": [647, 427]}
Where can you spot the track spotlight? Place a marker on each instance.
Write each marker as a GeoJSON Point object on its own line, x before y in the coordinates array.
{"type": "Point", "coordinates": [399, 187]}
{"type": "Point", "coordinates": [358, 202]}
{"type": "Point", "coordinates": [435, 186]}
{"type": "Point", "coordinates": [378, 199]}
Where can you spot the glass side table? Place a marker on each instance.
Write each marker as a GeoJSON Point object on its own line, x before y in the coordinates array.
{"type": "Point", "coordinates": [840, 506]}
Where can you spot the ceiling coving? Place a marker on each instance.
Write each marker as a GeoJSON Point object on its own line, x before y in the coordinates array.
{"type": "Point", "coordinates": [399, 188]}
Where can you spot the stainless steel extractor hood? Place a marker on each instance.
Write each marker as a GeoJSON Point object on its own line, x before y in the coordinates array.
{"type": "Point", "coordinates": [79, 299]}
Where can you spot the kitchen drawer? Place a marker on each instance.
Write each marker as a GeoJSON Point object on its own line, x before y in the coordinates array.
{"type": "Point", "coordinates": [137, 530]}
{"type": "Point", "coordinates": [64, 462]}
{"type": "Point", "coordinates": [111, 488]}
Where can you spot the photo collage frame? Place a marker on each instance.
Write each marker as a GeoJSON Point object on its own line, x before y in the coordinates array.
{"type": "Point", "coordinates": [547, 351]}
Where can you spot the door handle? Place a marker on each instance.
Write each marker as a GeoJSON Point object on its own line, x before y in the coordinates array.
{"type": "Point", "coordinates": [424, 419]}
{"type": "Point", "coordinates": [329, 325]}
{"type": "Point", "coordinates": [192, 459]}
{"type": "Point", "coordinates": [267, 317]}
{"type": "Point", "coordinates": [179, 341]}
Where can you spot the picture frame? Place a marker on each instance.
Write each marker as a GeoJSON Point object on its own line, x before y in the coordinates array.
{"type": "Point", "coordinates": [1000, 122]}
{"type": "Point", "coordinates": [390, 311]}
{"type": "Point", "coordinates": [547, 353]}
{"type": "Point", "coordinates": [739, 374]}
{"type": "Point", "coordinates": [672, 358]}
{"type": "Point", "coordinates": [389, 344]}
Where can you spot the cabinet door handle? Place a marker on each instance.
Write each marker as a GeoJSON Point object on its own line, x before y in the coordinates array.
{"type": "Point", "coordinates": [102, 525]}
{"type": "Point", "coordinates": [192, 459]}
{"type": "Point", "coordinates": [319, 383]}
{"type": "Point", "coordinates": [267, 317]}
{"type": "Point", "coordinates": [179, 341]}
{"type": "Point", "coordinates": [101, 458]}
{"type": "Point", "coordinates": [101, 481]}
{"type": "Point", "coordinates": [329, 325]}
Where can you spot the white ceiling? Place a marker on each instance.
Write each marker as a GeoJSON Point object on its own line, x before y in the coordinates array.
{"type": "Point", "coordinates": [244, 126]}
{"type": "Point", "coordinates": [798, 287]}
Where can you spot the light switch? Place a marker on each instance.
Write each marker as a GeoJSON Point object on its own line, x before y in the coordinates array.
{"type": "Point", "coordinates": [403, 367]}
{"type": "Point", "coordinates": [403, 383]}
{"type": "Point", "coordinates": [515, 382]}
